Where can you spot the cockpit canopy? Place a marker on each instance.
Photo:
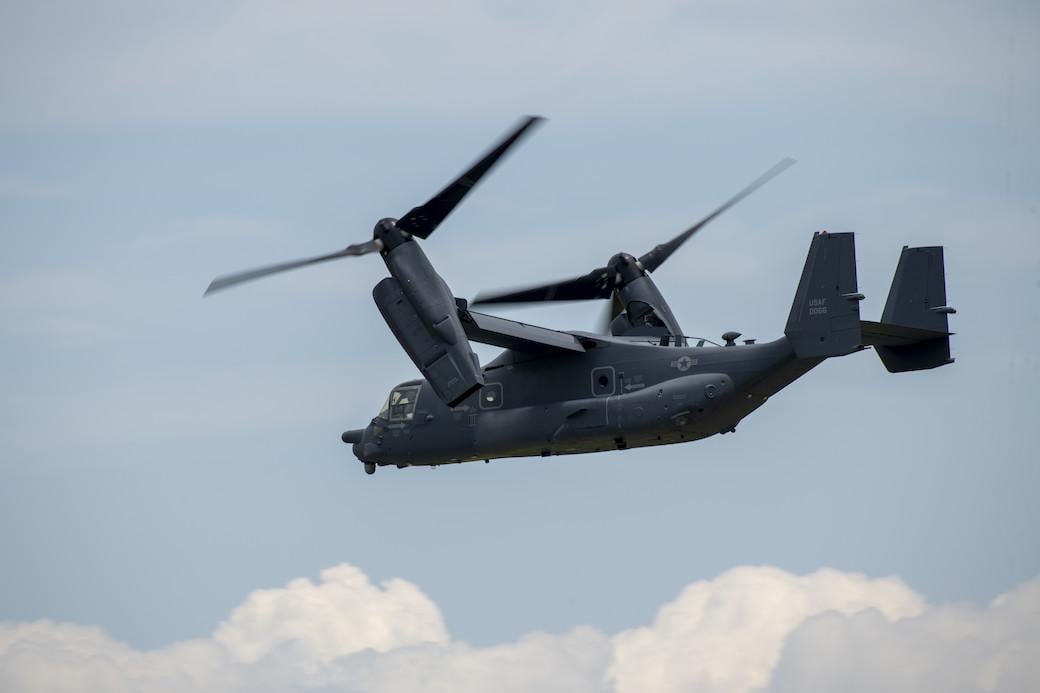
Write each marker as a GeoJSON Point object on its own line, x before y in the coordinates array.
{"type": "Point", "coordinates": [400, 405]}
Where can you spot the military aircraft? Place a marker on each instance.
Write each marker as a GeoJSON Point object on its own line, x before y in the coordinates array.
{"type": "Point", "coordinates": [641, 381]}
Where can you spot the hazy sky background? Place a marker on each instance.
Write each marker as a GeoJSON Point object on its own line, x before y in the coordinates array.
{"type": "Point", "coordinates": [162, 456]}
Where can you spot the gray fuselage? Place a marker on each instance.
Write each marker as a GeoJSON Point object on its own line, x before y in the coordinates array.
{"type": "Point", "coordinates": [623, 392]}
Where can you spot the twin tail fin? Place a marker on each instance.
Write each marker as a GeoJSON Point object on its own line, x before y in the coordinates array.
{"type": "Point", "coordinates": [914, 331]}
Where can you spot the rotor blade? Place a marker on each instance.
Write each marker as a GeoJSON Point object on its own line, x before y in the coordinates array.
{"type": "Point", "coordinates": [652, 260]}
{"type": "Point", "coordinates": [230, 280]}
{"type": "Point", "coordinates": [422, 220]}
{"type": "Point", "coordinates": [599, 283]}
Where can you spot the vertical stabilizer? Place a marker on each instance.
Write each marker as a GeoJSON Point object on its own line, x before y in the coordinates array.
{"type": "Point", "coordinates": [918, 294]}
{"type": "Point", "coordinates": [824, 318]}
{"type": "Point", "coordinates": [915, 323]}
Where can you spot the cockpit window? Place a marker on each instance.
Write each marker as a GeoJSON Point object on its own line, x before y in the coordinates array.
{"type": "Point", "coordinates": [401, 404]}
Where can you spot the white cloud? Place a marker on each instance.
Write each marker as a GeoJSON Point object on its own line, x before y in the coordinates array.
{"type": "Point", "coordinates": [726, 634]}
{"type": "Point", "coordinates": [288, 637]}
{"type": "Point", "coordinates": [569, 663]}
{"type": "Point", "coordinates": [947, 648]}
{"type": "Point", "coordinates": [341, 615]}
{"type": "Point", "coordinates": [750, 629]}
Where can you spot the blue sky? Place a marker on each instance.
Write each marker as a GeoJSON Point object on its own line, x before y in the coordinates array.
{"type": "Point", "coordinates": [161, 455]}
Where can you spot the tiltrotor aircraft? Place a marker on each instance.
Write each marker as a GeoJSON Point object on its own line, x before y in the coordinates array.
{"type": "Point", "coordinates": [640, 383]}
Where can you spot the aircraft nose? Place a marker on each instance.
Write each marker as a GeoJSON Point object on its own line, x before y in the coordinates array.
{"type": "Point", "coordinates": [366, 443]}
{"type": "Point", "coordinates": [356, 439]}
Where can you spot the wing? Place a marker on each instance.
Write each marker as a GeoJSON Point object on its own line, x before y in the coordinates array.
{"type": "Point", "coordinates": [518, 336]}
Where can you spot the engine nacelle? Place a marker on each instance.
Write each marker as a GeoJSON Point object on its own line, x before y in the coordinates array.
{"type": "Point", "coordinates": [421, 312]}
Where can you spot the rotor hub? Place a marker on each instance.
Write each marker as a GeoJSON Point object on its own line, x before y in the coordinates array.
{"type": "Point", "coordinates": [389, 234]}
{"type": "Point", "coordinates": [625, 268]}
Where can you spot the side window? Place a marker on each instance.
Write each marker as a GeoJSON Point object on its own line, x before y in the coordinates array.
{"type": "Point", "coordinates": [603, 381]}
{"type": "Point", "coordinates": [491, 396]}
{"type": "Point", "coordinates": [402, 403]}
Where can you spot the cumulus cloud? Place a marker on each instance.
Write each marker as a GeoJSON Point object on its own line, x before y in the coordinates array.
{"type": "Point", "coordinates": [749, 629]}
{"type": "Point", "coordinates": [951, 648]}
{"type": "Point", "coordinates": [726, 634]}
{"type": "Point", "coordinates": [341, 615]}
{"type": "Point", "coordinates": [294, 637]}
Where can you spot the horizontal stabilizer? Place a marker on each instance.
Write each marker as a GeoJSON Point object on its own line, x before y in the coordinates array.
{"type": "Point", "coordinates": [884, 334]}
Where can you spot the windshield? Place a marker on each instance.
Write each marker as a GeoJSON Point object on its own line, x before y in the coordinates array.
{"type": "Point", "coordinates": [400, 406]}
